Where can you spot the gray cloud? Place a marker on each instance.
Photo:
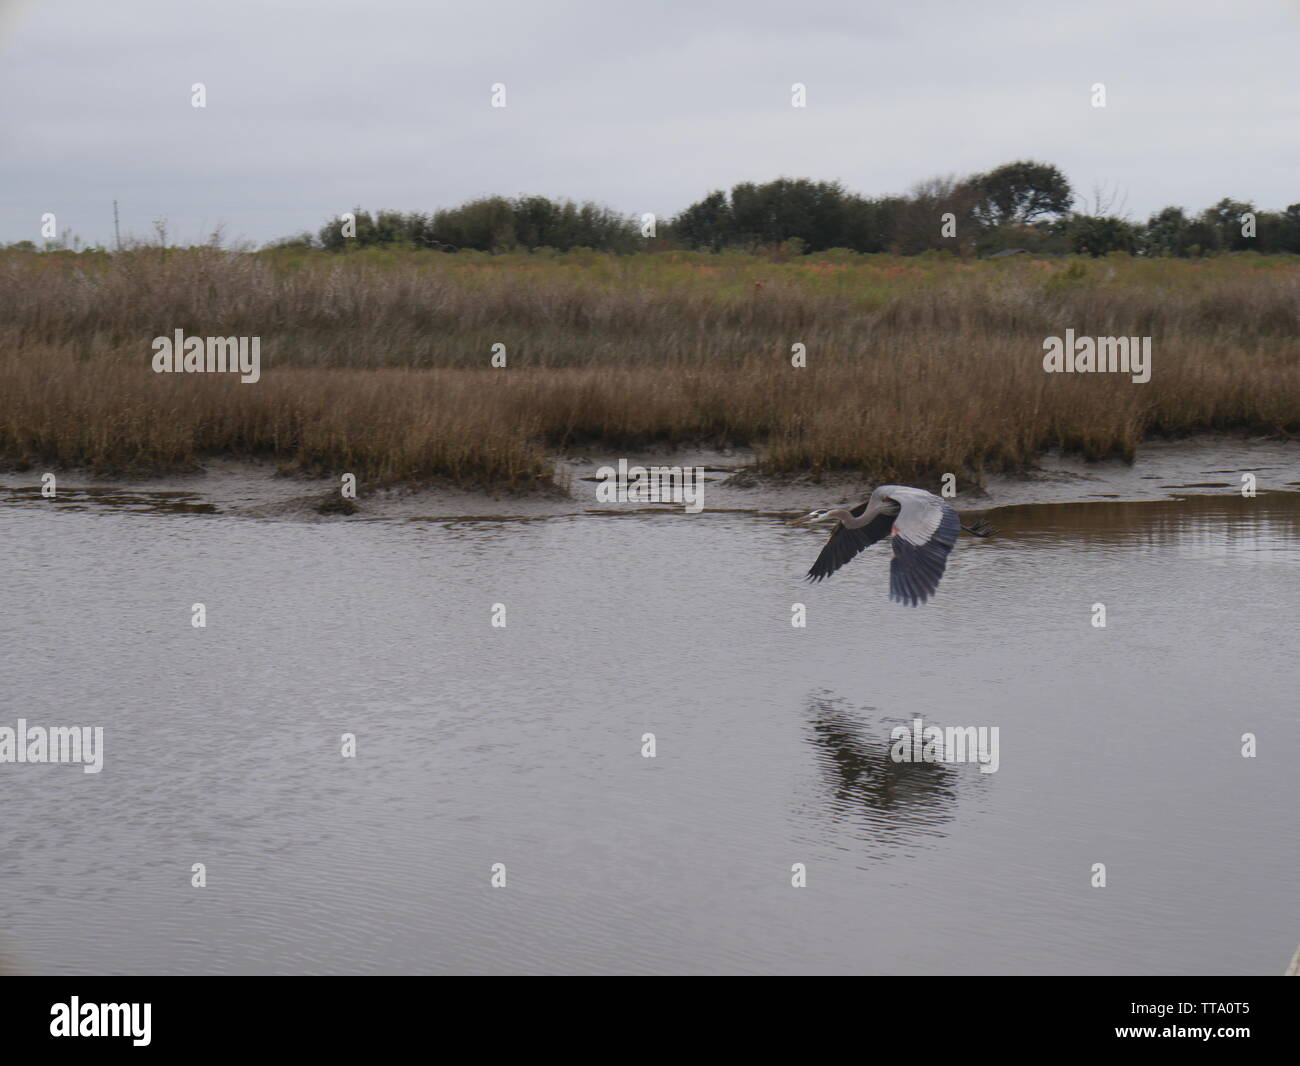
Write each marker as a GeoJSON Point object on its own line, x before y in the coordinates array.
{"type": "Point", "coordinates": [314, 107]}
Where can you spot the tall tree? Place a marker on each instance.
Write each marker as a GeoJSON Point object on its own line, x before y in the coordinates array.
{"type": "Point", "coordinates": [1021, 192]}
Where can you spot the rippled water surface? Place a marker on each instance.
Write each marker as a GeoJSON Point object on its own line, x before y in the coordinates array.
{"type": "Point", "coordinates": [522, 746]}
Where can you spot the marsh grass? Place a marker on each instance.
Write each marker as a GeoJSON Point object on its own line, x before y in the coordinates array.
{"type": "Point", "coordinates": [378, 362]}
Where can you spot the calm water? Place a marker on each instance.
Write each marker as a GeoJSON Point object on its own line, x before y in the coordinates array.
{"type": "Point", "coordinates": [480, 745]}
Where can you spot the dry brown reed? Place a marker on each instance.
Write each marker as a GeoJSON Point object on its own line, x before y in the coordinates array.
{"type": "Point", "coordinates": [379, 363]}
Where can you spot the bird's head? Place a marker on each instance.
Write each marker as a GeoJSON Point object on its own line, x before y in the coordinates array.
{"type": "Point", "coordinates": [812, 518]}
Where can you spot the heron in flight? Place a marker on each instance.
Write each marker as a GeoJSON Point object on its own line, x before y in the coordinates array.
{"type": "Point", "coordinates": [920, 526]}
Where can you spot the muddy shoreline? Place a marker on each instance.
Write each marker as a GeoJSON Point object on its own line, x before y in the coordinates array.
{"type": "Point", "coordinates": [1162, 470]}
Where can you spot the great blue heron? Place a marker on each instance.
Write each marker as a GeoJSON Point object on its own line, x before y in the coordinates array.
{"type": "Point", "coordinates": [921, 527]}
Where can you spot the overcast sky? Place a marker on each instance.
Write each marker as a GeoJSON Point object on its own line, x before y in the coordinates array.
{"type": "Point", "coordinates": [318, 105]}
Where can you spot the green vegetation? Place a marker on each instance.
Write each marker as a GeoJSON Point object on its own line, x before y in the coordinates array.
{"type": "Point", "coordinates": [1023, 205]}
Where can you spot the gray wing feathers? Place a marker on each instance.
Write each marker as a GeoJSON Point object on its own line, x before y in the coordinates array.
{"type": "Point", "coordinates": [845, 543]}
{"type": "Point", "coordinates": [927, 530]}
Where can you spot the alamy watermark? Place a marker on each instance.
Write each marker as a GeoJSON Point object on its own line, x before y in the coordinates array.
{"type": "Point", "coordinates": [58, 744]}
{"type": "Point", "coordinates": [1089, 355]}
{"type": "Point", "coordinates": [210, 355]}
{"type": "Point", "coordinates": [932, 743]}
{"type": "Point", "coordinates": [75, 1018]}
{"type": "Point", "coordinates": [652, 484]}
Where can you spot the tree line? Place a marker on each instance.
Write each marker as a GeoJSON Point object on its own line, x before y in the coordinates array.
{"type": "Point", "coordinates": [1024, 205]}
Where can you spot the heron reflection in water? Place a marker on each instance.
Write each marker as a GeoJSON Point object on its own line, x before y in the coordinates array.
{"type": "Point", "coordinates": [894, 803]}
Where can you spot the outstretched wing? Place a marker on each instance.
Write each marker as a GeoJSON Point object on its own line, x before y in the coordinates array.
{"type": "Point", "coordinates": [927, 530]}
{"type": "Point", "coordinates": [845, 543]}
